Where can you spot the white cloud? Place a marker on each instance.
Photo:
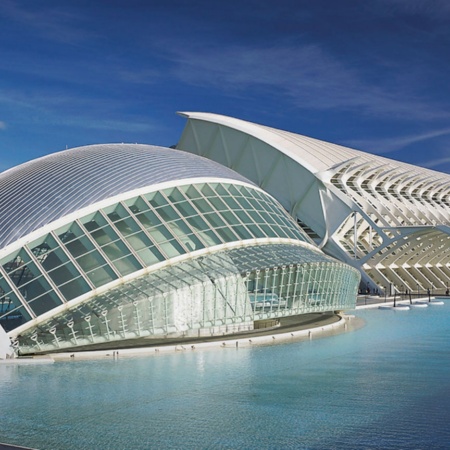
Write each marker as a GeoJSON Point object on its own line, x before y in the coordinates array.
{"type": "Point", "coordinates": [2, 125]}
{"type": "Point", "coordinates": [392, 144]}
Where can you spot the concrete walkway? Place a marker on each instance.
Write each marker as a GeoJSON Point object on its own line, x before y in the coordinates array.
{"type": "Point", "coordinates": [295, 327]}
{"type": "Point", "coordinates": [365, 301]}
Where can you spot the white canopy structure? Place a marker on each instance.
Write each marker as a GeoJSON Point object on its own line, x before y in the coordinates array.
{"type": "Point", "coordinates": [388, 219]}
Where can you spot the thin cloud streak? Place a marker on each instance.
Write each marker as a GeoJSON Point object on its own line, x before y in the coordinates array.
{"type": "Point", "coordinates": [436, 163]}
{"type": "Point", "coordinates": [437, 9]}
{"type": "Point", "coordinates": [392, 144]}
{"type": "Point", "coordinates": [43, 107]}
{"type": "Point", "coordinates": [58, 24]}
{"type": "Point", "coordinates": [2, 125]}
{"type": "Point", "coordinates": [305, 75]}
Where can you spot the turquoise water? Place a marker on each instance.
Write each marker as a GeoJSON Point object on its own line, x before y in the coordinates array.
{"type": "Point", "coordinates": [384, 386]}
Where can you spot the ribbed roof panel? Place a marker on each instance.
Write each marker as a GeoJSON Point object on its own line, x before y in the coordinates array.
{"type": "Point", "coordinates": [45, 189]}
{"type": "Point", "coordinates": [313, 154]}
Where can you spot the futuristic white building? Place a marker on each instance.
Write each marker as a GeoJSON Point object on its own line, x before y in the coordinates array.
{"type": "Point", "coordinates": [119, 242]}
{"type": "Point", "coordinates": [388, 219]}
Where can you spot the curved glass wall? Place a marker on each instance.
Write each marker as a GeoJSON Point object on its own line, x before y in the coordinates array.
{"type": "Point", "coordinates": [139, 232]}
{"type": "Point", "coordinates": [218, 293]}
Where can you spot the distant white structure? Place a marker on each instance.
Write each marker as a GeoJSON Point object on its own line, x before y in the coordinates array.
{"type": "Point", "coordinates": [389, 219]}
{"type": "Point", "coordinates": [5, 346]}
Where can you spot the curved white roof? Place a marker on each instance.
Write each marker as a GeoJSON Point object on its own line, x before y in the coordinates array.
{"type": "Point", "coordinates": [313, 154]}
{"type": "Point", "coordinates": [386, 217]}
{"type": "Point", "coordinates": [40, 191]}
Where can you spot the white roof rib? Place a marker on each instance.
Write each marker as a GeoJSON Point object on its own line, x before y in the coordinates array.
{"type": "Point", "coordinates": [313, 154]}
{"type": "Point", "coordinates": [43, 190]}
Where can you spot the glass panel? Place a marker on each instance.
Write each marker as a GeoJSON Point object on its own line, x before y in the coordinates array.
{"type": "Point", "coordinates": [148, 219]}
{"type": "Point", "coordinates": [137, 205]}
{"type": "Point", "coordinates": [156, 199]}
{"type": "Point", "coordinates": [172, 248]}
{"type": "Point", "coordinates": [74, 287]}
{"type": "Point", "coordinates": [203, 230]}
{"type": "Point", "coordinates": [191, 191]}
{"type": "Point", "coordinates": [8, 299]}
{"type": "Point", "coordinates": [43, 247]}
{"type": "Point", "coordinates": [174, 195]}
{"type": "Point", "coordinates": [234, 190]}
{"type": "Point", "coordinates": [59, 268]}
{"type": "Point", "coordinates": [226, 234]}
{"type": "Point", "coordinates": [14, 264]}
{"type": "Point", "coordinates": [186, 209]}
{"type": "Point", "coordinates": [268, 232]}
{"type": "Point", "coordinates": [242, 232]}
{"type": "Point", "coordinates": [14, 318]}
{"type": "Point", "coordinates": [245, 192]}
{"type": "Point", "coordinates": [255, 216]}
{"type": "Point", "coordinates": [215, 220]}
{"type": "Point", "coordinates": [202, 205]}
{"type": "Point", "coordinates": [117, 252]}
{"type": "Point", "coordinates": [93, 223]}
{"type": "Point", "coordinates": [160, 234]}
{"type": "Point", "coordinates": [40, 295]}
{"type": "Point", "coordinates": [44, 303]}
{"type": "Point", "coordinates": [256, 231]}
{"type": "Point", "coordinates": [135, 237]}
{"type": "Point", "coordinates": [255, 204]}
{"type": "Point", "coordinates": [25, 273]}
{"type": "Point", "coordinates": [150, 255]}
{"type": "Point", "coordinates": [126, 264]}
{"type": "Point", "coordinates": [207, 190]}
{"type": "Point", "coordinates": [69, 233]}
{"type": "Point", "coordinates": [220, 189]}
{"type": "Point", "coordinates": [64, 273]}
{"type": "Point", "coordinates": [90, 261]}
{"type": "Point", "coordinates": [101, 275]}
{"type": "Point", "coordinates": [244, 217]}
{"type": "Point", "coordinates": [185, 235]}
{"type": "Point", "coordinates": [167, 213]}
{"type": "Point", "coordinates": [232, 203]}
{"type": "Point", "coordinates": [230, 218]}
{"type": "Point", "coordinates": [128, 227]}
{"type": "Point", "coordinates": [218, 204]}
{"type": "Point", "coordinates": [116, 212]}
{"type": "Point", "coordinates": [244, 203]}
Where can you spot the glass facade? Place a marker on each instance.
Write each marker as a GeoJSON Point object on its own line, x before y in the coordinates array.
{"type": "Point", "coordinates": [120, 240]}
{"type": "Point", "coordinates": [215, 294]}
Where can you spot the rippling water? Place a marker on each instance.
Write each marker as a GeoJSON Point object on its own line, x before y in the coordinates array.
{"type": "Point", "coordinates": [384, 386]}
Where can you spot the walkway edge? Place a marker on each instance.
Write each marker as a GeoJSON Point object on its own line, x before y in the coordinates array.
{"type": "Point", "coordinates": [227, 343]}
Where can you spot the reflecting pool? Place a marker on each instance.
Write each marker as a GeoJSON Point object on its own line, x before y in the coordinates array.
{"type": "Point", "coordinates": [385, 385]}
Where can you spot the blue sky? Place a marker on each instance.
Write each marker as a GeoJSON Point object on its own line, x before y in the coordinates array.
{"type": "Point", "coordinates": [373, 75]}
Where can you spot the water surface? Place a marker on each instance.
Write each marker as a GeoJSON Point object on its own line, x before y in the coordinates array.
{"type": "Point", "coordinates": [384, 386]}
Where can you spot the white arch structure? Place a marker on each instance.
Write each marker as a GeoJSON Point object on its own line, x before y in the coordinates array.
{"type": "Point", "coordinates": [389, 219]}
